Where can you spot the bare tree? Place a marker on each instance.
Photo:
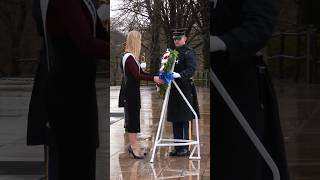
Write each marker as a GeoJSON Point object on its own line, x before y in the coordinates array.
{"type": "Point", "coordinates": [158, 16]}
{"type": "Point", "coordinates": [201, 12]}
{"type": "Point", "coordinates": [155, 30]}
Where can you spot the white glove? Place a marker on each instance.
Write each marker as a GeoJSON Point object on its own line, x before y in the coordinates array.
{"type": "Point", "coordinates": [143, 65]}
{"type": "Point", "coordinates": [176, 75]}
{"type": "Point", "coordinates": [216, 44]}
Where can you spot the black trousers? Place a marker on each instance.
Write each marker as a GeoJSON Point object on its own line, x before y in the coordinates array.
{"type": "Point", "coordinates": [180, 131]}
{"type": "Point", "coordinates": [53, 173]}
{"type": "Point", "coordinates": [71, 161]}
{"type": "Point", "coordinates": [66, 165]}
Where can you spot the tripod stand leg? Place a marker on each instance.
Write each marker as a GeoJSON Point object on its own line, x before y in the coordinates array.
{"type": "Point", "coordinates": [190, 133]}
{"type": "Point", "coordinates": [161, 123]}
{"type": "Point", "coordinates": [243, 122]}
{"type": "Point", "coordinates": [196, 119]}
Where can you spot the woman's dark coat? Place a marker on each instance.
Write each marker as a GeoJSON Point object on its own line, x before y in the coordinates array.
{"type": "Point", "coordinates": [65, 97]}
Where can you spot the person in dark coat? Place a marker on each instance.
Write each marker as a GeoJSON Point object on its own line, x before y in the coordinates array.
{"type": "Point", "coordinates": [63, 107]}
{"type": "Point", "coordinates": [178, 111]}
{"type": "Point", "coordinates": [130, 90]}
{"type": "Point", "coordinates": [239, 29]}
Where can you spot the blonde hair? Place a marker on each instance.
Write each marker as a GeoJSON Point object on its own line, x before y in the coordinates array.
{"type": "Point", "coordinates": [133, 43]}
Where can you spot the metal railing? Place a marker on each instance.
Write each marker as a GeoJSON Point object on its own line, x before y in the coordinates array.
{"type": "Point", "coordinates": [310, 53]}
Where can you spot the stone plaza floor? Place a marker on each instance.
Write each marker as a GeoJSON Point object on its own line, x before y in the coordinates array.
{"type": "Point", "coordinates": [164, 167]}
{"type": "Point", "coordinates": [299, 106]}
{"type": "Point", "coordinates": [299, 111]}
{"type": "Point", "coordinates": [21, 162]}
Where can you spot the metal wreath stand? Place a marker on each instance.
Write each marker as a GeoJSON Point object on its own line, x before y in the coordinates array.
{"type": "Point", "coordinates": [160, 142]}
{"type": "Point", "coordinates": [192, 170]}
{"type": "Point", "coordinates": [244, 123]}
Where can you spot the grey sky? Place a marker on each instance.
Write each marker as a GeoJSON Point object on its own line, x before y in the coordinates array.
{"type": "Point", "coordinates": [113, 5]}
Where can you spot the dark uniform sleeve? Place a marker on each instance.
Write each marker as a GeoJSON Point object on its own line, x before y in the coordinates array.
{"type": "Point", "coordinates": [191, 65]}
{"type": "Point", "coordinates": [254, 31]}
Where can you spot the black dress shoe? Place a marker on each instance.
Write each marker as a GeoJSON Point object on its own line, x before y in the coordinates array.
{"type": "Point", "coordinates": [130, 151]}
{"type": "Point", "coordinates": [185, 152]}
{"type": "Point", "coordinates": [173, 153]}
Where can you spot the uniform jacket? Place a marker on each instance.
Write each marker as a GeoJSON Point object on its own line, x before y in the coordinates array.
{"type": "Point", "coordinates": [178, 110]}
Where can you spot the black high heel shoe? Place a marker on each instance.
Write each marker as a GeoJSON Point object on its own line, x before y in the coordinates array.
{"type": "Point", "coordinates": [130, 151]}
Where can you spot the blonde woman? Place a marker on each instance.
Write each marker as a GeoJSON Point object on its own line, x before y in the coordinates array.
{"type": "Point", "coordinates": [132, 74]}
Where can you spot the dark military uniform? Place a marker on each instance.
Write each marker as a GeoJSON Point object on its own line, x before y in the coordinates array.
{"type": "Point", "coordinates": [244, 26]}
{"type": "Point", "coordinates": [178, 111]}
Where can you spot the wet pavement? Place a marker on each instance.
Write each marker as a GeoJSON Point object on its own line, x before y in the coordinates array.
{"type": "Point", "coordinates": [21, 162]}
{"type": "Point", "coordinates": [299, 106]}
{"type": "Point", "coordinates": [299, 110]}
{"type": "Point", "coordinates": [164, 167]}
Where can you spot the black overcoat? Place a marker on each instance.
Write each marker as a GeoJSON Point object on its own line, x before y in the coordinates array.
{"type": "Point", "coordinates": [245, 26]}
{"type": "Point", "coordinates": [65, 97]}
{"type": "Point", "coordinates": [178, 110]}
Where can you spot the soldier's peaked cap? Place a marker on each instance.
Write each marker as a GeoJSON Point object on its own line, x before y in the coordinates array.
{"type": "Point", "coordinates": [179, 31]}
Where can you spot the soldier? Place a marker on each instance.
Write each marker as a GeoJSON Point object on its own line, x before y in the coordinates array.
{"type": "Point", "coordinates": [239, 29]}
{"type": "Point", "coordinates": [178, 111]}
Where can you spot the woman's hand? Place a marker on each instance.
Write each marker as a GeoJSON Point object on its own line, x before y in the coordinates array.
{"type": "Point", "coordinates": [157, 80]}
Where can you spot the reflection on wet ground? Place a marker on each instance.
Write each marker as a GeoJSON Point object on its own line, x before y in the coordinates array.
{"type": "Point", "coordinates": [299, 110]}
{"type": "Point", "coordinates": [21, 162]}
{"type": "Point", "coordinates": [299, 106]}
{"type": "Point", "coordinates": [164, 167]}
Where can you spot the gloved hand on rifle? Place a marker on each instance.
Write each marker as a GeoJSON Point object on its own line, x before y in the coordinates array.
{"type": "Point", "coordinates": [216, 44]}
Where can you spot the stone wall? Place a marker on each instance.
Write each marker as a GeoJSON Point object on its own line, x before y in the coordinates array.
{"type": "Point", "coordinates": [18, 37]}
